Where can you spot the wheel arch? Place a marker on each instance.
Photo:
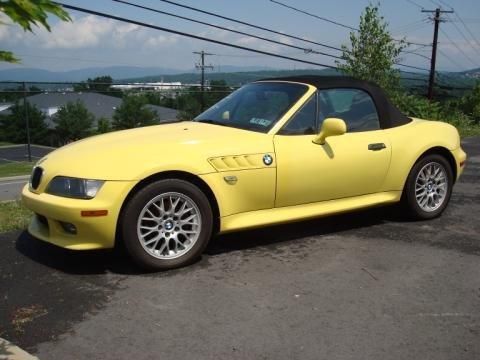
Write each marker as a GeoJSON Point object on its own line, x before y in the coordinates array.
{"type": "Point", "coordinates": [173, 174]}
{"type": "Point", "coordinates": [440, 150]}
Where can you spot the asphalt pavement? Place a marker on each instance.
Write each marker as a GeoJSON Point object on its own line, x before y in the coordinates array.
{"type": "Point", "coordinates": [19, 152]}
{"type": "Point", "coordinates": [11, 188]}
{"type": "Point", "coordinates": [366, 285]}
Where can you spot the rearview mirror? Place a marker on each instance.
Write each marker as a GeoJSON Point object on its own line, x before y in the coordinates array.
{"type": "Point", "coordinates": [330, 127]}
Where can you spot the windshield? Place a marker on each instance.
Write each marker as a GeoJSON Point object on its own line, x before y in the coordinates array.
{"type": "Point", "coordinates": [256, 106]}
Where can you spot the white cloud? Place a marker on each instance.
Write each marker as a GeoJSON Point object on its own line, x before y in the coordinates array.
{"type": "Point", "coordinates": [85, 32]}
{"type": "Point", "coordinates": [152, 42]}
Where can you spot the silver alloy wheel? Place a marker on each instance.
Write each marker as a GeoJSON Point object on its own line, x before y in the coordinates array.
{"type": "Point", "coordinates": [169, 225]}
{"type": "Point", "coordinates": [431, 186]}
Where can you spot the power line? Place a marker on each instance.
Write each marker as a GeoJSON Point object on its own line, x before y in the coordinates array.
{"type": "Point", "coordinates": [306, 50]}
{"type": "Point", "coordinates": [412, 67]}
{"type": "Point", "coordinates": [315, 16]}
{"type": "Point", "coordinates": [463, 35]}
{"type": "Point", "coordinates": [414, 53]}
{"type": "Point", "coordinates": [274, 31]}
{"type": "Point", "coordinates": [155, 27]}
{"type": "Point", "coordinates": [458, 48]}
{"type": "Point", "coordinates": [328, 20]}
{"type": "Point", "coordinates": [444, 3]}
{"type": "Point", "coordinates": [468, 29]}
{"type": "Point", "coordinates": [406, 26]}
{"type": "Point", "coordinates": [415, 4]}
{"type": "Point", "coordinates": [450, 59]}
{"type": "Point", "coordinates": [250, 24]}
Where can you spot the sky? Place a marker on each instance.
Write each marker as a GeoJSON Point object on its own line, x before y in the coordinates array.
{"type": "Point", "coordinates": [91, 41]}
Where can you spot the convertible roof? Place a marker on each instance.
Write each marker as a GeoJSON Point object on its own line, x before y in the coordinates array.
{"type": "Point", "coordinates": [389, 115]}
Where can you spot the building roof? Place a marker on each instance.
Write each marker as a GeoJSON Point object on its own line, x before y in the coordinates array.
{"type": "Point", "coordinates": [99, 105]}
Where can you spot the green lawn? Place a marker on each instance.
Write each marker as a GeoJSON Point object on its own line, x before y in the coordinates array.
{"type": "Point", "coordinates": [15, 168]}
{"type": "Point", "coordinates": [13, 216]}
{"type": "Point", "coordinates": [4, 143]}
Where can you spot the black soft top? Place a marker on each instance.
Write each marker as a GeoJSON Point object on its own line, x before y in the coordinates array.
{"type": "Point", "coordinates": [389, 115]}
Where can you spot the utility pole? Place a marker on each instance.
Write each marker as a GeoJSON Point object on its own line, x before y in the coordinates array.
{"type": "Point", "coordinates": [436, 19]}
{"type": "Point", "coordinates": [27, 123]}
{"type": "Point", "coordinates": [202, 68]}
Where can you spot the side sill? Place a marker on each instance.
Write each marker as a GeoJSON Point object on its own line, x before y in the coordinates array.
{"type": "Point", "coordinates": [259, 218]}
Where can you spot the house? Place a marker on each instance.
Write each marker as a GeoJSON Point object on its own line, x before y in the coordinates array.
{"type": "Point", "coordinates": [99, 105]}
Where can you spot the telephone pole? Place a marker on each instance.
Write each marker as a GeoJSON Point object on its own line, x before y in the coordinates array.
{"type": "Point", "coordinates": [437, 20]}
{"type": "Point", "coordinates": [202, 68]}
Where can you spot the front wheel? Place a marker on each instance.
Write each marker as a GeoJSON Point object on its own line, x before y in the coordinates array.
{"type": "Point", "coordinates": [429, 187]}
{"type": "Point", "coordinates": [167, 224]}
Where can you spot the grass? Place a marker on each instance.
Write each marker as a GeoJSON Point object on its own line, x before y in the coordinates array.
{"type": "Point", "coordinates": [4, 143]}
{"type": "Point", "coordinates": [13, 216]}
{"type": "Point", "coordinates": [15, 168]}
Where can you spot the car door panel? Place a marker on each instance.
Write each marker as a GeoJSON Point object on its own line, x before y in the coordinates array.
{"type": "Point", "coordinates": [343, 167]}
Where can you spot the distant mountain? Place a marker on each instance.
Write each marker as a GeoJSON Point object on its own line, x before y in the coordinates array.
{"type": "Point", "coordinates": [233, 75]}
{"type": "Point", "coordinates": [473, 73]}
{"type": "Point", "coordinates": [232, 78]}
{"type": "Point", "coordinates": [116, 72]}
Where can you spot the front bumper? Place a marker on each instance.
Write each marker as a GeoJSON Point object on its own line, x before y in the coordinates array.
{"type": "Point", "coordinates": [91, 232]}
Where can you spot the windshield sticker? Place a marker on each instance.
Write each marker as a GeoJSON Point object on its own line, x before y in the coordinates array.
{"type": "Point", "coordinates": [259, 121]}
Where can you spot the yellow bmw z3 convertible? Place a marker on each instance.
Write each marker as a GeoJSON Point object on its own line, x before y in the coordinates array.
{"type": "Point", "coordinates": [274, 151]}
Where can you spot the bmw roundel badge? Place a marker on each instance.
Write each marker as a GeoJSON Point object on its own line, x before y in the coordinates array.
{"type": "Point", "coordinates": [267, 159]}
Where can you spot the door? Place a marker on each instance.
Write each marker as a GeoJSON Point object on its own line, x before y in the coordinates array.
{"type": "Point", "coordinates": [352, 164]}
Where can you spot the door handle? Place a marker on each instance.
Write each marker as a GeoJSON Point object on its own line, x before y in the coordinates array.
{"type": "Point", "coordinates": [376, 146]}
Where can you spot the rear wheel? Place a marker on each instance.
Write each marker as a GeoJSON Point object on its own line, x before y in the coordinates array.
{"type": "Point", "coordinates": [429, 187]}
{"type": "Point", "coordinates": [167, 224]}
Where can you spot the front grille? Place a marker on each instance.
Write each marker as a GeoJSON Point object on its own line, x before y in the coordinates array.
{"type": "Point", "coordinates": [36, 177]}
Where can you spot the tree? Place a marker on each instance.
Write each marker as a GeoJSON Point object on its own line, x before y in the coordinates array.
{"type": "Point", "coordinates": [14, 125]}
{"type": "Point", "coordinates": [73, 122]}
{"type": "Point", "coordinates": [27, 13]}
{"type": "Point", "coordinates": [100, 83]}
{"type": "Point", "coordinates": [103, 126]}
{"type": "Point", "coordinates": [133, 112]}
{"type": "Point", "coordinates": [470, 103]}
{"type": "Point", "coordinates": [16, 93]}
{"type": "Point", "coordinates": [372, 52]}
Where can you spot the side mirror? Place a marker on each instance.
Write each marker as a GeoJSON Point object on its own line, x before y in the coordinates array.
{"type": "Point", "coordinates": [330, 127]}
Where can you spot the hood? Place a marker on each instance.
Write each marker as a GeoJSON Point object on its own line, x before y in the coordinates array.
{"type": "Point", "coordinates": [137, 153]}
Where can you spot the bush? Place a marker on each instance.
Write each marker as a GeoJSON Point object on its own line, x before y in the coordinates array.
{"type": "Point", "coordinates": [422, 108]}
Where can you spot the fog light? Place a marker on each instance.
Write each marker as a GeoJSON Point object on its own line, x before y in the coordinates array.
{"type": "Point", "coordinates": [68, 227]}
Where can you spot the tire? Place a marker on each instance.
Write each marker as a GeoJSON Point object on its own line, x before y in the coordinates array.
{"type": "Point", "coordinates": [166, 225]}
{"type": "Point", "coordinates": [424, 196]}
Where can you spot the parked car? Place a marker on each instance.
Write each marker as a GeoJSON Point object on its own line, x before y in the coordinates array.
{"type": "Point", "coordinates": [274, 151]}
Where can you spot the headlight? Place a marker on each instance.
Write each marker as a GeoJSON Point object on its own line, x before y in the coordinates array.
{"type": "Point", "coordinates": [74, 188]}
